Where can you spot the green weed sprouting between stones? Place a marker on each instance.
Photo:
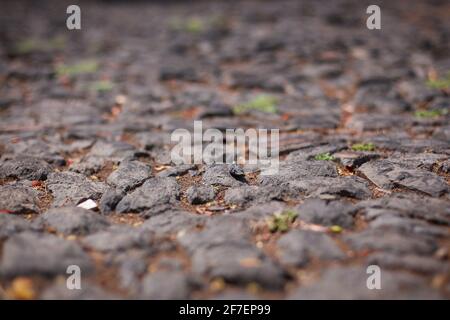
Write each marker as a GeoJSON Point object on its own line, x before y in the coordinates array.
{"type": "Point", "coordinates": [430, 113]}
{"type": "Point", "coordinates": [30, 45]}
{"type": "Point", "coordinates": [102, 86]}
{"type": "Point", "coordinates": [363, 147]}
{"type": "Point", "coordinates": [281, 221]}
{"type": "Point", "coordinates": [336, 229]}
{"type": "Point", "coordinates": [264, 103]}
{"type": "Point", "coordinates": [191, 25]}
{"type": "Point", "coordinates": [83, 67]}
{"type": "Point", "coordinates": [324, 157]}
{"type": "Point", "coordinates": [442, 83]}
{"type": "Point", "coordinates": [195, 25]}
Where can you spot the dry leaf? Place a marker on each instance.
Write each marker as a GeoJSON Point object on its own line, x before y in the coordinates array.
{"type": "Point", "coordinates": [22, 288]}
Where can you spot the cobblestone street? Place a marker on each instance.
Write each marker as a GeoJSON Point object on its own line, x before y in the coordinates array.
{"type": "Point", "coordinates": [364, 173]}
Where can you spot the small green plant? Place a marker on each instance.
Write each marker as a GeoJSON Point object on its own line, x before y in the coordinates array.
{"type": "Point", "coordinates": [83, 67]}
{"type": "Point", "coordinates": [102, 86]}
{"type": "Point", "coordinates": [324, 157]}
{"type": "Point", "coordinates": [336, 229]}
{"type": "Point", "coordinates": [264, 103]}
{"type": "Point", "coordinates": [281, 221]}
{"type": "Point", "coordinates": [191, 25]}
{"type": "Point", "coordinates": [442, 83]}
{"type": "Point", "coordinates": [27, 46]}
{"type": "Point", "coordinates": [30, 45]}
{"type": "Point", "coordinates": [429, 113]}
{"type": "Point", "coordinates": [363, 147]}
{"type": "Point", "coordinates": [194, 25]}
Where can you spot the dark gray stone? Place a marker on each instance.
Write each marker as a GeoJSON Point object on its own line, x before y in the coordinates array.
{"type": "Point", "coordinates": [70, 188]}
{"type": "Point", "coordinates": [176, 170]}
{"type": "Point", "coordinates": [88, 165]}
{"type": "Point", "coordinates": [353, 160]}
{"type": "Point", "coordinates": [224, 175]}
{"type": "Point", "coordinates": [408, 225]}
{"type": "Point", "coordinates": [238, 262]}
{"type": "Point", "coordinates": [110, 199]}
{"type": "Point", "coordinates": [327, 213]}
{"type": "Point", "coordinates": [423, 145]}
{"type": "Point", "coordinates": [373, 121]}
{"type": "Point", "coordinates": [172, 222]}
{"type": "Point", "coordinates": [223, 249]}
{"type": "Point", "coordinates": [348, 186]}
{"type": "Point", "coordinates": [414, 91]}
{"type": "Point", "coordinates": [164, 285]}
{"type": "Point", "coordinates": [151, 140]}
{"type": "Point", "coordinates": [258, 212]}
{"type": "Point", "coordinates": [11, 224]}
{"type": "Point", "coordinates": [37, 149]}
{"type": "Point", "coordinates": [300, 170]}
{"type": "Point", "coordinates": [117, 238]}
{"type": "Point", "coordinates": [426, 161]}
{"type": "Point", "coordinates": [297, 247]}
{"type": "Point", "coordinates": [154, 192]}
{"type": "Point", "coordinates": [420, 264]}
{"type": "Point", "coordinates": [200, 194]}
{"type": "Point", "coordinates": [178, 72]}
{"type": "Point", "coordinates": [382, 104]}
{"type": "Point", "coordinates": [255, 194]}
{"type": "Point", "coordinates": [216, 109]}
{"type": "Point", "coordinates": [349, 283]}
{"type": "Point", "coordinates": [170, 264]}
{"type": "Point", "coordinates": [133, 265]}
{"type": "Point", "coordinates": [387, 175]}
{"type": "Point", "coordinates": [17, 198]}
{"type": "Point", "coordinates": [255, 80]}
{"type": "Point", "coordinates": [41, 254]}
{"type": "Point", "coordinates": [435, 211]}
{"type": "Point", "coordinates": [314, 120]}
{"type": "Point", "coordinates": [129, 175]}
{"type": "Point", "coordinates": [114, 151]}
{"type": "Point", "coordinates": [23, 167]}
{"type": "Point", "coordinates": [74, 220]}
{"type": "Point", "coordinates": [217, 230]}
{"type": "Point", "coordinates": [391, 241]}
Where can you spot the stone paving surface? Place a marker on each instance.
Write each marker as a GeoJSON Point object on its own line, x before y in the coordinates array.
{"type": "Point", "coordinates": [364, 119]}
